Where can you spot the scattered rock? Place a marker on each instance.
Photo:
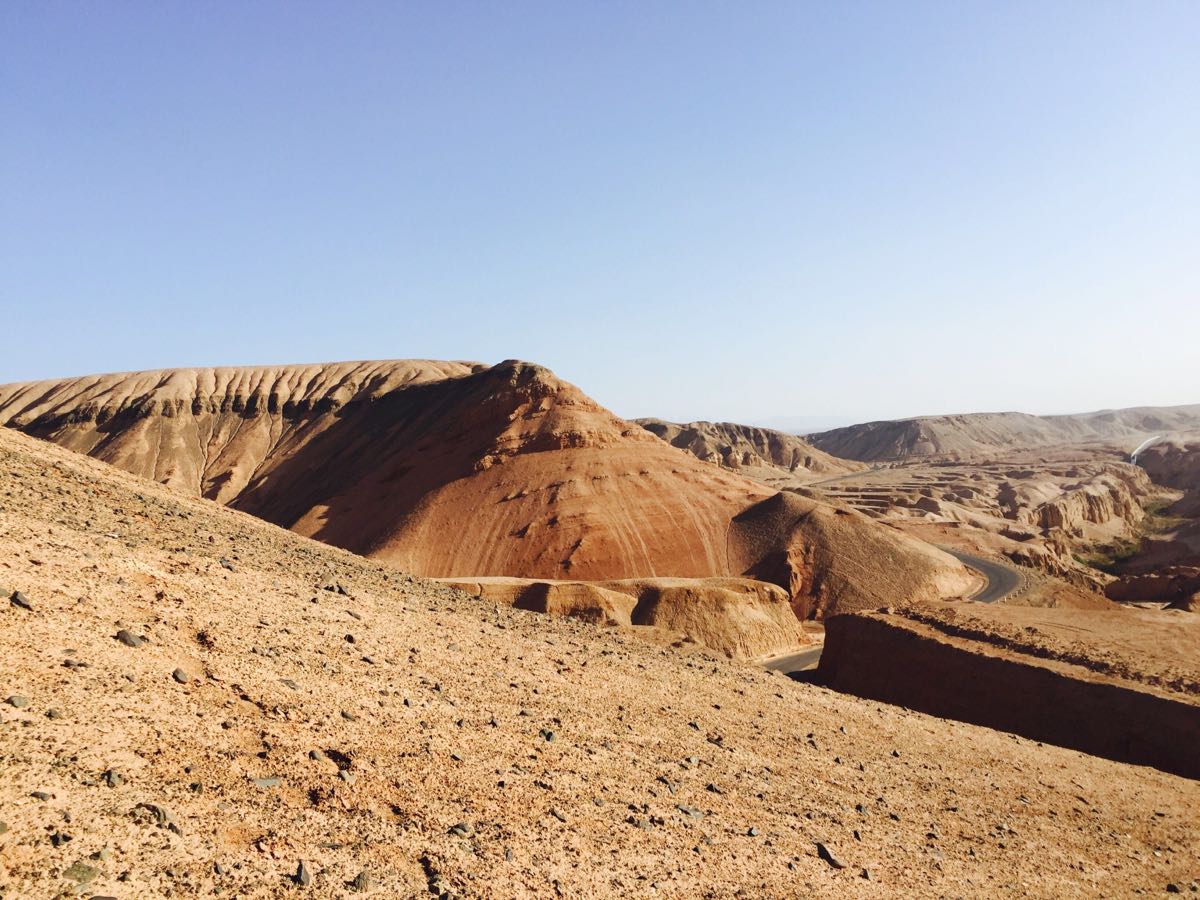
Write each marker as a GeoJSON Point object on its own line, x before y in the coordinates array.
{"type": "Point", "coordinates": [826, 854]}
{"type": "Point", "coordinates": [302, 877]}
{"type": "Point", "coordinates": [461, 829]}
{"type": "Point", "coordinates": [154, 813]}
{"type": "Point", "coordinates": [181, 676]}
{"type": "Point", "coordinates": [361, 881]}
{"type": "Point", "coordinates": [129, 639]}
{"type": "Point", "coordinates": [41, 795]}
{"type": "Point", "coordinates": [558, 815]}
{"type": "Point", "coordinates": [17, 701]}
{"type": "Point", "coordinates": [20, 601]}
{"type": "Point", "coordinates": [54, 714]}
{"type": "Point", "coordinates": [227, 563]}
{"type": "Point", "coordinates": [113, 778]}
{"type": "Point", "coordinates": [81, 873]}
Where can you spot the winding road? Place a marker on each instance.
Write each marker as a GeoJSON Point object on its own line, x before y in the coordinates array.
{"type": "Point", "coordinates": [1002, 580]}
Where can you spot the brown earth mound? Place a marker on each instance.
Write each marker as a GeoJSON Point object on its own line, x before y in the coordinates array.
{"type": "Point", "coordinates": [451, 469]}
{"type": "Point", "coordinates": [741, 618]}
{"type": "Point", "coordinates": [298, 721]}
{"type": "Point", "coordinates": [772, 457]}
{"type": "Point", "coordinates": [986, 434]}
{"type": "Point", "coordinates": [831, 562]}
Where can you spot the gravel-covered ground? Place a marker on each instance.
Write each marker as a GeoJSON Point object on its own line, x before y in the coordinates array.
{"type": "Point", "coordinates": [299, 721]}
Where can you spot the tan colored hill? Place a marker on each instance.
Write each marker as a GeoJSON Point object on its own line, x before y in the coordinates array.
{"type": "Point", "coordinates": [773, 457]}
{"type": "Point", "coordinates": [988, 434]}
{"type": "Point", "coordinates": [456, 469]}
{"type": "Point", "coordinates": [292, 703]}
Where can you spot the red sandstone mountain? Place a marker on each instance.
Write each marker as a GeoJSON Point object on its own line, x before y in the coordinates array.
{"type": "Point", "coordinates": [458, 469]}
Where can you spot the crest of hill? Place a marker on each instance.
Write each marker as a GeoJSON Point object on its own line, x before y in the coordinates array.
{"type": "Point", "coordinates": [750, 449]}
{"type": "Point", "coordinates": [984, 434]}
{"type": "Point", "coordinates": [450, 469]}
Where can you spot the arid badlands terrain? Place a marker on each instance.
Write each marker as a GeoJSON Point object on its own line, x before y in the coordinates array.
{"type": "Point", "coordinates": [437, 629]}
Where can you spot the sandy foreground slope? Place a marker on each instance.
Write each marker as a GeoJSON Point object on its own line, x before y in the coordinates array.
{"type": "Point", "coordinates": [467, 750]}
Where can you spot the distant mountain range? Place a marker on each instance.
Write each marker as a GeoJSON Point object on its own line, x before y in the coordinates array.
{"type": "Point", "coordinates": [974, 434]}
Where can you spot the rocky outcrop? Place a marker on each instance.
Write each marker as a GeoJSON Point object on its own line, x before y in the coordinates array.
{"type": "Point", "coordinates": [1116, 495]}
{"type": "Point", "coordinates": [739, 617]}
{"type": "Point", "coordinates": [1176, 465]}
{"type": "Point", "coordinates": [954, 674]}
{"type": "Point", "coordinates": [746, 447]}
{"type": "Point", "coordinates": [1176, 586]}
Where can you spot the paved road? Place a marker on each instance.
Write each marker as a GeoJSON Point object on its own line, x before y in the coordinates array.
{"type": "Point", "coordinates": [1002, 580]}
{"type": "Point", "coordinates": [1142, 446]}
{"type": "Point", "coordinates": [796, 662]}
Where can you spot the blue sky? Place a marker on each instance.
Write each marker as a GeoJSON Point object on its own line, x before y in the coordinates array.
{"type": "Point", "coordinates": [752, 211]}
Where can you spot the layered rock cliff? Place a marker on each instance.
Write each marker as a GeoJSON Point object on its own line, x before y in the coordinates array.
{"type": "Point", "coordinates": [748, 448]}
{"type": "Point", "coordinates": [1113, 496]}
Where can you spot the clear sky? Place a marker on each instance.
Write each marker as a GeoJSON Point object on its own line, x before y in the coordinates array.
{"type": "Point", "coordinates": [757, 211]}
